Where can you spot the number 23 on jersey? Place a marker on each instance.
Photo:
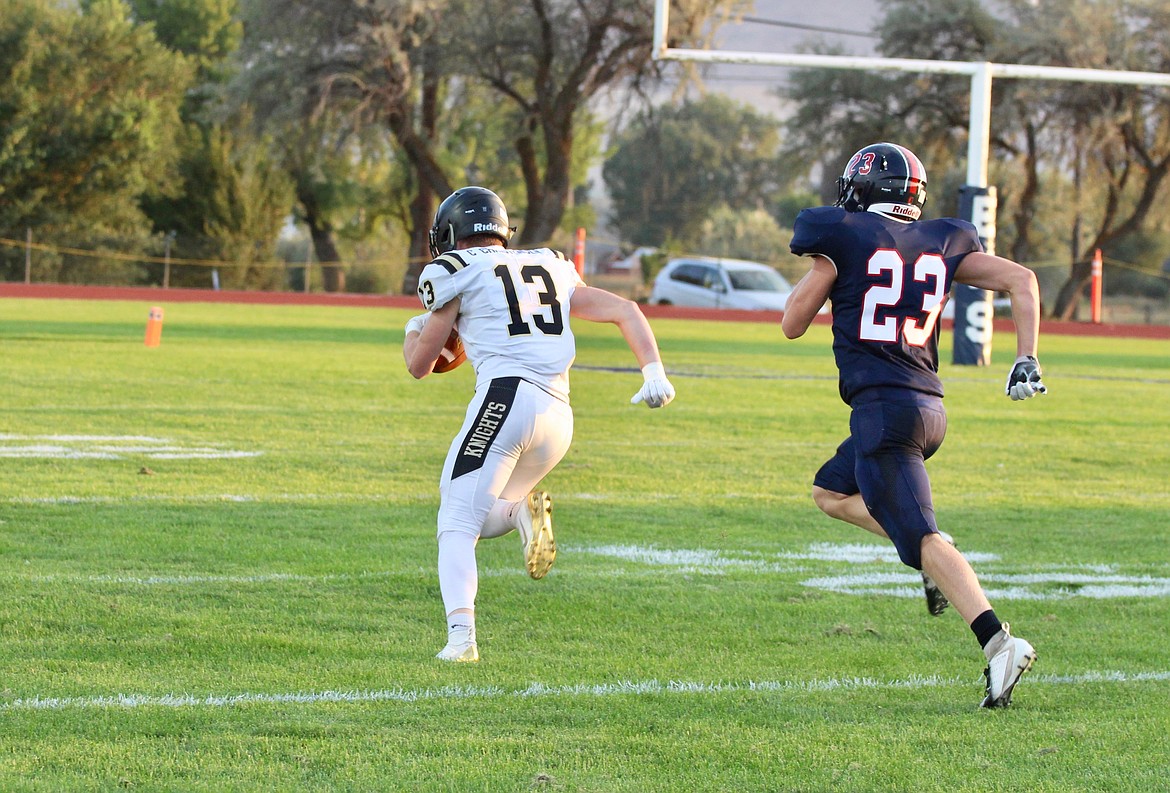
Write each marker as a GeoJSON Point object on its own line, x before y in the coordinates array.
{"type": "Point", "coordinates": [929, 270]}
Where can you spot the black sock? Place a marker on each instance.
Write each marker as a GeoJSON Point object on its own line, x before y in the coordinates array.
{"type": "Point", "coordinates": [985, 626]}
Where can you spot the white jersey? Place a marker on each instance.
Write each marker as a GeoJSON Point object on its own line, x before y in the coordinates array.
{"type": "Point", "coordinates": [513, 314]}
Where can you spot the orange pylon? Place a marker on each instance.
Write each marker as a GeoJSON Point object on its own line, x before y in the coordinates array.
{"type": "Point", "coordinates": [154, 327]}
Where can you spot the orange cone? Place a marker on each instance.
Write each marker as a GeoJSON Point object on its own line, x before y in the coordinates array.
{"type": "Point", "coordinates": [154, 327]}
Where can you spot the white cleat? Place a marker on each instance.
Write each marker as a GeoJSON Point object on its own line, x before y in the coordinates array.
{"type": "Point", "coordinates": [460, 647]}
{"type": "Point", "coordinates": [1007, 660]}
{"type": "Point", "coordinates": [540, 549]}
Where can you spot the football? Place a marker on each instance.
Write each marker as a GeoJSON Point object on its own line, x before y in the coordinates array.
{"type": "Point", "coordinates": [452, 354]}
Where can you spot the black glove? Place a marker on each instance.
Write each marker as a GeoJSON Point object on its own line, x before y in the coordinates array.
{"type": "Point", "coordinates": [1024, 381]}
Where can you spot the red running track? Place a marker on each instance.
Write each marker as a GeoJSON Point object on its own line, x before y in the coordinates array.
{"type": "Point", "coordinates": [155, 295]}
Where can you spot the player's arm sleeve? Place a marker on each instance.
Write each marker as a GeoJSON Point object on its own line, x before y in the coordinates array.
{"type": "Point", "coordinates": [962, 239]}
{"type": "Point", "coordinates": [811, 231]}
{"type": "Point", "coordinates": [574, 276]}
{"type": "Point", "coordinates": [436, 285]}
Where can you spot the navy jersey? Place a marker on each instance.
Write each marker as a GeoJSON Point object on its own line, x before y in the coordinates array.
{"type": "Point", "coordinates": [892, 279]}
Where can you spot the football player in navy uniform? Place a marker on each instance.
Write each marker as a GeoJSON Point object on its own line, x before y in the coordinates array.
{"type": "Point", "coordinates": [887, 273]}
{"type": "Point", "coordinates": [511, 309]}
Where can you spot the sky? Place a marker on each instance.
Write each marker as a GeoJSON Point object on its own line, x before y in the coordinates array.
{"type": "Point", "coordinates": [774, 26]}
{"type": "Point", "coordinates": [778, 26]}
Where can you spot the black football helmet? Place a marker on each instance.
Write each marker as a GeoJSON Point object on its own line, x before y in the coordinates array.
{"type": "Point", "coordinates": [885, 178]}
{"type": "Point", "coordinates": [467, 212]}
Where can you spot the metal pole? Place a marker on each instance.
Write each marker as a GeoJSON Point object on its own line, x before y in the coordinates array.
{"type": "Point", "coordinates": [977, 197]}
{"type": "Point", "coordinates": [661, 26]}
{"type": "Point", "coordinates": [979, 127]}
{"type": "Point", "coordinates": [167, 260]}
{"type": "Point", "coordinates": [308, 264]}
{"type": "Point", "coordinates": [974, 314]}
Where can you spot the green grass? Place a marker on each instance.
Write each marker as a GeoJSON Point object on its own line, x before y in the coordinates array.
{"type": "Point", "coordinates": [265, 617]}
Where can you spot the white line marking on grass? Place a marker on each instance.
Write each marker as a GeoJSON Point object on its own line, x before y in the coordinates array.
{"type": "Point", "coordinates": [634, 687]}
{"type": "Point", "coordinates": [204, 455]}
{"type": "Point", "coordinates": [1070, 581]}
{"type": "Point", "coordinates": [260, 578]}
{"type": "Point", "coordinates": [81, 500]}
{"type": "Point", "coordinates": [715, 561]}
{"type": "Point", "coordinates": [1067, 585]}
{"type": "Point", "coordinates": [85, 438]}
{"type": "Point", "coordinates": [269, 498]}
{"type": "Point", "coordinates": [110, 447]}
{"type": "Point", "coordinates": [1059, 582]}
{"type": "Point", "coordinates": [683, 560]}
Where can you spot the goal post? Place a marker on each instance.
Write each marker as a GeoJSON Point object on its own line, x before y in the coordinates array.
{"type": "Point", "coordinates": [977, 197]}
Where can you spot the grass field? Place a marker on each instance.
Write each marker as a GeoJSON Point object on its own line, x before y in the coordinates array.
{"type": "Point", "coordinates": [217, 570]}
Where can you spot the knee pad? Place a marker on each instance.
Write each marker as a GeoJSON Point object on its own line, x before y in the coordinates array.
{"type": "Point", "coordinates": [452, 521]}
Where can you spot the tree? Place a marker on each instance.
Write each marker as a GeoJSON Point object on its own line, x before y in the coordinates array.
{"type": "Point", "coordinates": [550, 62]}
{"type": "Point", "coordinates": [673, 165]}
{"type": "Point", "coordinates": [410, 66]}
{"type": "Point", "coordinates": [837, 112]}
{"type": "Point", "coordinates": [739, 234]}
{"type": "Point", "coordinates": [359, 65]}
{"type": "Point", "coordinates": [232, 196]}
{"type": "Point", "coordinates": [1104, 148]}
{"type": "Point", "coordinates": [323, 153]}
{"type": "Point", "coordinates": [89, 105]}
{"type": "Point", "coordinates": [206, 31]}
{"type": "Point", "coordinates": [1120, 135]}
{"type": "Point", "coordinates": [237, 215]}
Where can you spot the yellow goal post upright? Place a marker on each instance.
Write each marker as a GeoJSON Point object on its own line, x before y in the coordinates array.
{"type": "Point", "coordinates": [973, 313]}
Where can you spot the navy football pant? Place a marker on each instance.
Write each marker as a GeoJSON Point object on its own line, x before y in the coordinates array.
{"type": "Point", "coordinates": [893, 433]}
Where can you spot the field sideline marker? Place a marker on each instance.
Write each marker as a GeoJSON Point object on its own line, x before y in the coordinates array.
{"type": "Point", "coordinates": [652, 687]}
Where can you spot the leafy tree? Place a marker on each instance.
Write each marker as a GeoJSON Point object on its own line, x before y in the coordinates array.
{"type": "Point", "coordinates": [89, 106]}
{"type": "Point", "coordinates": [209, 208]}
{"type": "Point", "coordinates": [1117, 136]}
{"type": "Point", "coordinates": [237, 215]}
{"type": "Point", "coordinates": [330, 163]}
{"type": "Point", "coordinates": [411, 67]}
{"type": "Point", "coordinates": [320, 72]}
{"type": "Point", "coordinates": [671, 160]}
{"type": "Point", "coordinates": [1104, 149]}
{"type": "Point", "coordinates": [548, 63]}
{"type": "Point", "coordinates": [739, 234]}
{"type": "Point", "coordinates": [206, 31]}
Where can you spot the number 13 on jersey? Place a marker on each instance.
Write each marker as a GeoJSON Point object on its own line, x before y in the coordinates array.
{"type": "Point", "coordinates": [549, 321]}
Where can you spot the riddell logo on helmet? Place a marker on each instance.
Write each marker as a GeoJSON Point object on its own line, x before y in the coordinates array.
{"type": "Point", "coordinates": [910, 212]}
{"type": "Point", "coordinates": [478, 228]}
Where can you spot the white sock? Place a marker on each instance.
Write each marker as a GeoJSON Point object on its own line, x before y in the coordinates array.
{"type": "Point", "coordinates": [501, 519]}
{"type": "Point", "coordinates": [458, 575]}
{"type": "Point", "coordinates": [461, 627]}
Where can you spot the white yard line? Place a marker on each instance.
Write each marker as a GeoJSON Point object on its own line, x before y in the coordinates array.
{"type": "Point", "coordinates": [629, 687]}
{"type": "Point", "coordinates": [875, 570]}
{"type": "Point", "coordinates": [111, 447]}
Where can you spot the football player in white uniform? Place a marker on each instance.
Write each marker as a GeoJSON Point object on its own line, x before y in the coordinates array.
{"type": "Point", "coordinates": [511, 308]}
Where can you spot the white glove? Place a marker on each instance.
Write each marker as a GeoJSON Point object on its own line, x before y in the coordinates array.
{"type": "Point", "coordinates": [657, 391]}
{"type": "Point", "coordinates": [415, 324]}
{"type": "Point", "coordinates": [1024, 380]}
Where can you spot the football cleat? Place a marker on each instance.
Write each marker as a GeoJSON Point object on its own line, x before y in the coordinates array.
{"type": "Point", "coordinates": [460, 647]}
{"type": "Point", "coordinates": [1007, 660]}
{"type": "Point", "coordinates": [540, 549]}
{"type": "Point", "coordinates": [936, 601]}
